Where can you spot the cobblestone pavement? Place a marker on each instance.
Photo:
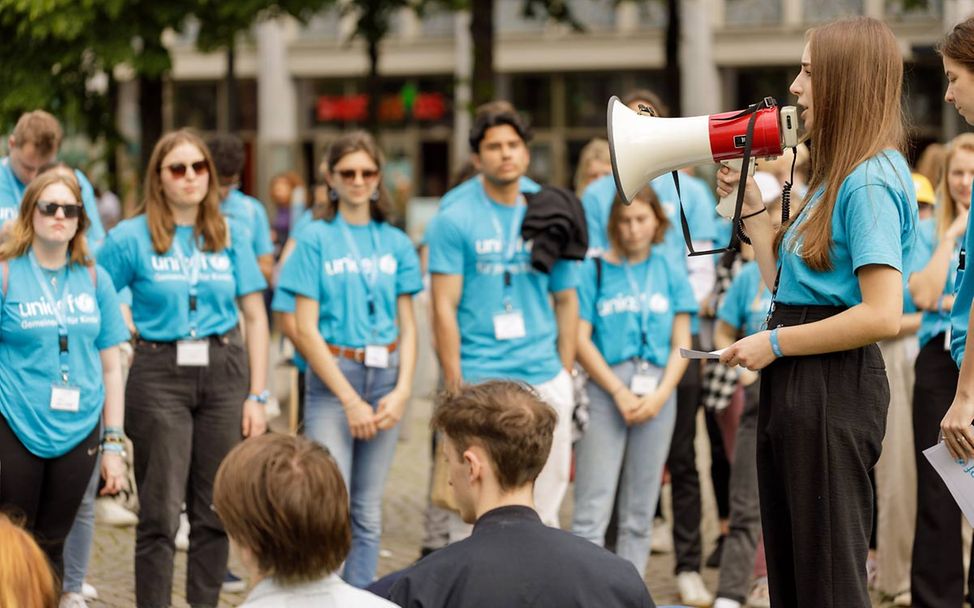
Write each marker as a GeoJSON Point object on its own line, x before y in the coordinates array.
{"type": "Point", "coordinates": [111, 570]}
{"type": "Point", "coordinates": [112, 559]}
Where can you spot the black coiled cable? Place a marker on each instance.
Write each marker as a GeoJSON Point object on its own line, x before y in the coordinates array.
{"type": "Point", "coordinates": [785, 200]}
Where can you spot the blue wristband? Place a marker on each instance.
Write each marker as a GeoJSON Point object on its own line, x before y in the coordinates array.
{"type": "Point", "coordinates": [775, 346]}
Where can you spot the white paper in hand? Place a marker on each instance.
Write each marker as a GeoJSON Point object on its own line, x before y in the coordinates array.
{"type": "Point", "coordinates": [687, 353]}
{"type": "Point", "coordinates": [957, 475]}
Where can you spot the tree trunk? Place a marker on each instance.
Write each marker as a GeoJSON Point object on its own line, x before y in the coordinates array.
{"type": "Point", "coordinates": [482, 36]}
{"type": "Point", "coordinates": [231, 84]}
{"type": "Point", "coordinates": [373, 87]}
{"type": "Point", "coordinates": [150, 116]}
{"type": "Point", "coordinates": [114, 139]}
{"type": "Point", "coordinates": [671, 70]}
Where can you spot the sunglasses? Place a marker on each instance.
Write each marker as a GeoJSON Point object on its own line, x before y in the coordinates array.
{"type": "Point", "coordinates": [348, 175]}
{"type": "Point", "coordinates": [49, 209]}
{"type": "Point", "coordinates": [178, 170]}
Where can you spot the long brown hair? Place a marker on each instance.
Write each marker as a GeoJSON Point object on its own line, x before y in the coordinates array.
{"type": "Point", "coordinates": [22, 235]}
{"type": "Point", "coordinates": [947, 206]}
{"type": "Point", "coordinates": [26, 580]}
{"type": "Point", "coordinates": [959, 44]}
{"type": "Point", "coordinates": [209, 221]}
{"type": "Point", "coordinates": [356, 141]}
{"type": "Point", "coordinates": [647, 196]}
{"type": "Point", "coordinates": [858, 77]}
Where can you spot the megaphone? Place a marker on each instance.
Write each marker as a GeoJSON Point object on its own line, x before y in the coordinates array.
{"type": "Point", "coordinates": [643, 147]}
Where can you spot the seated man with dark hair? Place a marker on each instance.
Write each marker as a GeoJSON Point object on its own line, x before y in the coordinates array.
{"type": "Point", "coordinates": [496, 440]}
{"type": "Point", "coordinates": [284, 506]}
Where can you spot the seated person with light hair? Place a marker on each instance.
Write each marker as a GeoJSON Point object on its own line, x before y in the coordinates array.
{"type": "Point", "coordinates": [497, 436]}
{"type": "Point", "coordinates": [285, 508]}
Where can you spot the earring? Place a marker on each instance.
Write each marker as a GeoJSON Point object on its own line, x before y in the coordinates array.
{"type": "Point", "coordinates": [375, 196]}
{"type": "Point", "coordinates": [332, 195]}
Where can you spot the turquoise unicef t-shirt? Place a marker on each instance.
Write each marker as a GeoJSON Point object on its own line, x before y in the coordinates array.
{"type": "Point", "coordinates": [470, 190]}
{"type": "Point", "coordinates": [12, 192]}
{"type": "Point", "coordinates": [963, 293]}
{"type": "Point", "coordinates": [874, 222]}
{"type": "Point", "coordinates": [464, 240]}
{"type": "Point", "coordinates": [746, 303]}
{"type": "Point", "coordinates": [160, 283]}
{"type": "Point", "coordinates": [29, 355]}
{"type": "Point", "coordinates": [698, 204]}
{"type": "Point", "coordinates": [620, 311]}
{"type": "Point", "coordinates": [933, 323]}
{"type": "Point", "coordinates": [283, 300]}
{"type": "Point", "coordinates": [251, 213]}
{"type": "Point", "coordinates": [327, 268]}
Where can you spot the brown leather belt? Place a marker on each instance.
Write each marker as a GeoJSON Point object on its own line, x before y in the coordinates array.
{"type": "Point", "coordinates": [356, 354]}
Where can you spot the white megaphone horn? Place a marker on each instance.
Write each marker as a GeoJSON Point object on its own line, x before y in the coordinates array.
{"type": "Point", "coordinates": [643, 147]}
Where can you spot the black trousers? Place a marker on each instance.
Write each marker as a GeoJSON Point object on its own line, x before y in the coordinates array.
{"type": "Point", "coordinates": [684, 478]}
{"type": "Point", "coordinates": [821, 421]}
{"type": "Point", "coordinates": [182, 422]}
{"type": "Point", "coordinates": [937, 570]}
{"type": "Point", "coordinates": [45, 492]}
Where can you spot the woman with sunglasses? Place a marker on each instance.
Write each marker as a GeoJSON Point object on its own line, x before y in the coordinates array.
{"type": "Point", "coordinates": [60, 374]}
{"type": "Point", "coordinates": [353, 276]}
{"type": "Point", "coordinates": [188, 270]}
{"type": "Point", "coordinates": [836, 269]}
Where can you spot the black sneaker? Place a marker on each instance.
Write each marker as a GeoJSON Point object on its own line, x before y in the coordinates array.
{"type": "Point", "coordinates": [233, 583]}
{"type": "Point", "coordinates": [714, 560]}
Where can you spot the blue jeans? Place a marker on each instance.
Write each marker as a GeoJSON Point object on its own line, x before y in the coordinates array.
{"type": "Point", "coordinates": [611, 454]}
{"type": "Point", "coordinates": [364, 464]}
{"type": "Point", "coordinates": [77, 546]}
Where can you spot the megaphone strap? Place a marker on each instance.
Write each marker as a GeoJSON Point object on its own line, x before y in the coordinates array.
{"type": "Point", "coordinates": [752, 111]}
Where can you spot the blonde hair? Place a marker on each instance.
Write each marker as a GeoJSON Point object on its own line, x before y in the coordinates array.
{"type": "Point", "coordinates": [858, 76]}
{"type": "Point", "coordinates": [26, 580]}
{"type": "Point", "coordinates": [162, 226]}
{"type": "Point", "coordinates": [21, 236]}
{"type": "Point", "coordinates": [946, 211]}
{"type": "Point", "coordinates": [597, 150]}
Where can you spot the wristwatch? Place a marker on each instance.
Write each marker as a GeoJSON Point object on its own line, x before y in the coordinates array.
{"type": "Point", "coordinates": [260, 398]}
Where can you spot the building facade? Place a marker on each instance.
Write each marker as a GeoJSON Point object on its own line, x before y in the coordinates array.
{"type": "Point", "coordinates": [300, 85]}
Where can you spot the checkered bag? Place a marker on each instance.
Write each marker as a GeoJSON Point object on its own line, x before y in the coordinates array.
{"type": "Point", "coordinates": [719, 384]}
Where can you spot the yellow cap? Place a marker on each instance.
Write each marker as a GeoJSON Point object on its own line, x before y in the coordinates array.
{"type": "Point", "coordinates": [924, 190]}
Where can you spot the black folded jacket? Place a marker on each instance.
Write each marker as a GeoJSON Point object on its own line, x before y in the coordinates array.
{"type": "Point", "coordinates": [555, 222]}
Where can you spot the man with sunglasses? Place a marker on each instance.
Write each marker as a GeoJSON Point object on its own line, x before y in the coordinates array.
{"type": "Point", "coordinates": [228, 156]}
{"type": "Point", "coordinates": [34, 144]}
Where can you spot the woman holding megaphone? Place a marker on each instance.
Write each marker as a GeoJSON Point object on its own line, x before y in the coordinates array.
{"type": "Point", "coordinates": [836, 274]}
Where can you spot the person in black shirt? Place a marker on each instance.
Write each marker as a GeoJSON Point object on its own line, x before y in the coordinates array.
{"type": "Point", "coordinates": [497, 438]}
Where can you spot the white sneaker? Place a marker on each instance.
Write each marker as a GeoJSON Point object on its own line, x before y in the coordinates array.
{"type": "Point", "coordinates": [72, 600]}
{"type": "Point", "coordinates": [661, 540]}
{"type": "Point", "coordinates": [182, 534]}
{"type": "Point", "coordinates": [692, 590]}
{"type": "Point", "coordinates": [89, 592]}
{"type": "Point", "coordinates": [723, 602]}
{"type": "Point", "coordinates": [109, 512]}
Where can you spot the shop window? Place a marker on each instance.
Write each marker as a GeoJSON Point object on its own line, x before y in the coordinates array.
{"type": "Point", "coordinates": [195, 105]}
{"type": "Point", "coordinates": [531, 95]}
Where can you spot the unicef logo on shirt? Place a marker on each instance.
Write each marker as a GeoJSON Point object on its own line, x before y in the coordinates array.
{"type": "Point", "coordinates": [659, 303]}
{"type": "Point", "coordinates": [219, 262]}
{"type": "Point", "coordinates": [387, 264]}
{"type": "Point", "coordinates": [85, 304]}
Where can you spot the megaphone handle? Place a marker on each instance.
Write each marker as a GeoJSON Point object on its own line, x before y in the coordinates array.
{"type": "Point", "coordinates": [725, 207]}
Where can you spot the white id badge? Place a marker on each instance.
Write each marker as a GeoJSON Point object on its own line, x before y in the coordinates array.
{"type": "Point", "coordinates": [65, 398]}
{"type": "Point", "coordinates": [193, 353]}
{"type": "Point", "coordinates": [643, 384]}
{"type": "Point", "coordinates": [376, 356]}
{"type": "Point", "coordinates": [509, 325]}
